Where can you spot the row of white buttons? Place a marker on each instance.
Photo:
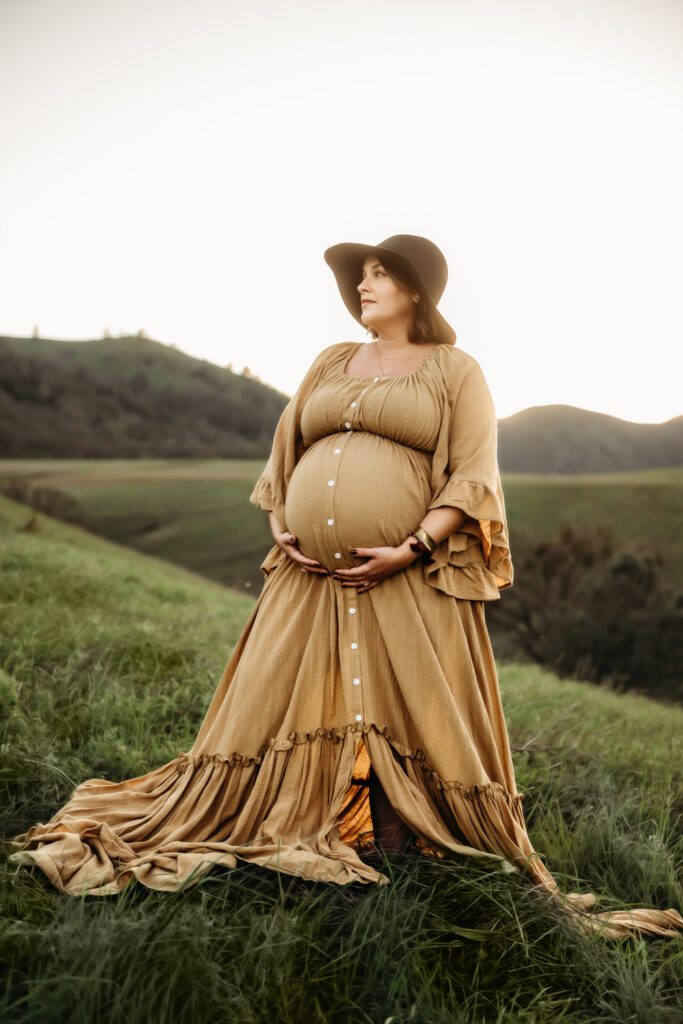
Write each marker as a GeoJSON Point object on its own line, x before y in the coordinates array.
{"type": "Point", "coordinates": [354, 646]}
{"type": "Point", "coordinates": [337, 554]}
{"type": "Point", "coordinates": [356, 682]}
{"type": "Point", "coordinates": [354, 404]}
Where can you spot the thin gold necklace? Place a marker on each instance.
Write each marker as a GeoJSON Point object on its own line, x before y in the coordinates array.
{"type": "Point", "coordinates": [381, 365]}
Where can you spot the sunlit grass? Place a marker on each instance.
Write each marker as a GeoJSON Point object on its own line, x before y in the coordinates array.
{"type": "Point", "coordinates": [107, 665]}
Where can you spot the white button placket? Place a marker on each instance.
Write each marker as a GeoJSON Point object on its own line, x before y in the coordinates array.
{"type": "Point", "coordinates": [351, 654]}
{"type": "Point", "coordinates": [353, 411]}
{"type": "Point", "coordinates": [331, 516]}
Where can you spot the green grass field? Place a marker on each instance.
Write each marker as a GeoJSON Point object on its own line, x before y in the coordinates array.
{"type": "Point", "coordinates": [197, 514]}
{"type": "Point", "coordinates": [641, 508]}
{"type": "Point", "coordinates": [191, 512]}
{"type": "Point", "coordinates": [108, 659]}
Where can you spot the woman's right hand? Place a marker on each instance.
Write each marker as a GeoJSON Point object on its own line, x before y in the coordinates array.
{"type": "Point", "coordinates": [289, 544]}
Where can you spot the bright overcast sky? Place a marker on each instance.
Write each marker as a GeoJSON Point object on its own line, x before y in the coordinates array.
{"type": "Point", "coordinates": [180, 166]}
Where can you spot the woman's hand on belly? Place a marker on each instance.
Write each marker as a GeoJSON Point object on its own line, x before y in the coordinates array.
{"type": "Point", "coordinates": [290, 545]}
{"type": "Point", "coordinates": [380, 563]}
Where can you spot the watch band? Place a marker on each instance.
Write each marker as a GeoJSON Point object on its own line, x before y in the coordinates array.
{"type": "Point", "coordinates": [423, 544]}
{"type": "Point", "coordinates": [423, 536]}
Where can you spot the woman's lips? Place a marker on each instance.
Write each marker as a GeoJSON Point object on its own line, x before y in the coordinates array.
{"type": "Point", "coordinates": [367, 302]}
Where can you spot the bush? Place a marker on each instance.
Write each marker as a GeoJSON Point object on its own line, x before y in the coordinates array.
{"type": "Point", "coordinates": [50, 501]}
{"type": "Point", "coordinates": [586, 608]}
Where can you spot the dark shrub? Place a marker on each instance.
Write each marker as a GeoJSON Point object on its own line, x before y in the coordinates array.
{"type": "Point", "coordinates": [49, 500]}
{"type": "Point", "coordinates": [585, 608]}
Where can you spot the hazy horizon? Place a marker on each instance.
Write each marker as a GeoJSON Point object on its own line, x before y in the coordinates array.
{"type": "Point", "coordinates": [239, 370]}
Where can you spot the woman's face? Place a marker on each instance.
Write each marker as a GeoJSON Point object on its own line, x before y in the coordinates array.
{"type": "Point", "coordinates": [383, 301]}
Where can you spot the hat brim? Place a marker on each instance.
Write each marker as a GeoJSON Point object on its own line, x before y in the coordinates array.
{"type": "Point", "coordinates": [346, 262]}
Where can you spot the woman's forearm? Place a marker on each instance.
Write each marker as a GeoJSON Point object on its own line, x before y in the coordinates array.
{"type": "Point", "coordinates": [275, 527]}
{"type": "Point", "coordinates": [441, 522]}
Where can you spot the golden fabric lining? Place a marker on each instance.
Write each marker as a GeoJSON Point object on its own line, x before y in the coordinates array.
{"type": "Point", "coordinates": [355, 817]}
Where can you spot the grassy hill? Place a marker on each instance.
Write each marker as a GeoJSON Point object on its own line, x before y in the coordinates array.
{"type": "Point", "coordinates": [197, 513]}
{"type": "Point", "coordinates": [108, 659]}
{"type": "Point", "coordinates": [129, 398]}
{"type": "Point", "coordinates": [564, 439]}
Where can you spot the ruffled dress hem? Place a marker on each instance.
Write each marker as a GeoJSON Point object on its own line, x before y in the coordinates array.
{"type": "Point", "coordinates": [97, 843]}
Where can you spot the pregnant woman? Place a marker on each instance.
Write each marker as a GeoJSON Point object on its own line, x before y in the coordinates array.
{"type": "Point", "coordinates": [360, 710]}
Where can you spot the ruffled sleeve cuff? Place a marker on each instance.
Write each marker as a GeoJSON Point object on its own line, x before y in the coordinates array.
{"type": "Point", "coordinates": [473, 562]}
{"type": "Point", "coordinates": [272, 560]}
{"type": "Point", "coordinates": [263, 496]}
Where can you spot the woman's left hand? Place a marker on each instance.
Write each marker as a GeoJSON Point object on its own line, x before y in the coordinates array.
{"type": "Point", "coordinates": [380, 563]}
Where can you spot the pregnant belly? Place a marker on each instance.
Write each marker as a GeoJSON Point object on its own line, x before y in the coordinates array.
{"type": "Point", "coordinates": [356, 490]}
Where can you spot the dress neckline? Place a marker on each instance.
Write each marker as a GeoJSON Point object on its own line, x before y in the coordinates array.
{"type": "Point", "coordinates": [402, 376]}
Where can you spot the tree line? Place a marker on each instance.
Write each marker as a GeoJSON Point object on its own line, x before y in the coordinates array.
{"type": "Point", "coordinates": [150, 407]}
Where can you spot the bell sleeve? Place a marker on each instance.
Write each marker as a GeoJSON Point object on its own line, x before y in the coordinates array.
{"type": "Point", "coordinates": [474, 561]}
{"type": "Point", "coordinates": [270, 490]}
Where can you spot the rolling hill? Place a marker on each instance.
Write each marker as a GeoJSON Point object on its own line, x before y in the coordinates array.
{"type": "Point", "coordinates": [564, 439]}
{"type": "Point", "coordinates": [197, 513]}
{"type": "Point", "coordinates": [133, 397]}
{"type": "Point", "coordinates": [128, 397]}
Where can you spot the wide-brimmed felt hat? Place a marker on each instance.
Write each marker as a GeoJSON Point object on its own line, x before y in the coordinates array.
{"type": "Point", "coordinates": [424, 262]}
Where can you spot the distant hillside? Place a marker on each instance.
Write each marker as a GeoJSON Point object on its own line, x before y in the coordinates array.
{"type": "Point", "coordinates": [197, 513]}
{"type": "Point", "coordinates": [133, 397]}
{"type": "Point", "coordinates": [564, 439]}
{"type": "Point", "coordinates": [128, 397]}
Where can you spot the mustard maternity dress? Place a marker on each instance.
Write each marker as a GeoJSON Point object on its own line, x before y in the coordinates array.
{"type": "Point", "coordinates": [324, 680]}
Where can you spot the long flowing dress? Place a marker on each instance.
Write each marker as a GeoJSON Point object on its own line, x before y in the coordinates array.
{"type": "Point", "coordinates": [325, 681]}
